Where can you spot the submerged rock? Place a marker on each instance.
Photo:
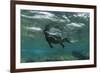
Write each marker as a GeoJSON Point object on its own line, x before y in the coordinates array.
{"type": "Point", "coordinates": [79, 55]}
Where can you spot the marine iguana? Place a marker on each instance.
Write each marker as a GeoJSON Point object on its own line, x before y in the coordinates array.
{"type": "Point", "coordinates": [52, 37]}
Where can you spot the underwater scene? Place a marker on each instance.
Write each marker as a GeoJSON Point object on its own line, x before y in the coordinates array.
{"type": "Point", "coordinates": [54, 36]}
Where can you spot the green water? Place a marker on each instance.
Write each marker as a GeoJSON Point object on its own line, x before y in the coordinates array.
{"type": "Point", "coordinates": [34, 46]}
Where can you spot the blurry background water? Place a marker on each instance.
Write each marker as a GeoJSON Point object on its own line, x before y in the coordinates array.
{"type": "Point", "coordinates": [73, 25]}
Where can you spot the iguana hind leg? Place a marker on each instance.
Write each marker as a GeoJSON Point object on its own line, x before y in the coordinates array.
{"type": "Point", "coordinates": [50, 44]}
{"type": "Point", "coordinates": [62, 45]}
